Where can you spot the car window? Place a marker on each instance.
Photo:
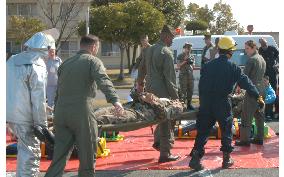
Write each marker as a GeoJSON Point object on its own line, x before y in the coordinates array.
{"type": "Point", "coordinates": [239, 57]}
{"type": "Point", "coordinates": [197, 55]}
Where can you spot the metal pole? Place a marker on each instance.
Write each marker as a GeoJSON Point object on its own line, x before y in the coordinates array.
{"type": "Point", "coordinates": [87, 20]}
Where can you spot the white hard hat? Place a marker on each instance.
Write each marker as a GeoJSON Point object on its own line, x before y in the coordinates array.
{"type": "Point", "coordinates": [40, 40]}
{"type": "Point", "coordinates": [52, 46]}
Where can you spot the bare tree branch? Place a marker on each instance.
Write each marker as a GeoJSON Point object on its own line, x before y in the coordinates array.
{"type": "Point", "coordinates": [62, 15]}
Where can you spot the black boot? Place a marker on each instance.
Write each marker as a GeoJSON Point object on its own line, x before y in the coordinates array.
{"type": "Point", "coordinates": [242, 143]}
{"type": "Point", "coordinates": [227, 160]}
{"type": "Point", "coordinates": [156, 146]}
{"type": "Point", "coordinates": [256, 141]}
{"type": "Point", "coordinates": [195, 161]}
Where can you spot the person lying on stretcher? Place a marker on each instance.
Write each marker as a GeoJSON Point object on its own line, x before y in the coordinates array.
{"type": "Point", "coordinates": [145, 110]}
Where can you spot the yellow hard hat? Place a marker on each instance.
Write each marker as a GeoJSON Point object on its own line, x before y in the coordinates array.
{"type": "Point", "coordinates": [227, 43]}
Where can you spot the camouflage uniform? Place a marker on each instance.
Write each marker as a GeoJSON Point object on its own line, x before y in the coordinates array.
{"type": "Point", "coordinates": [186, 80]}
{"type": "Point", "coordinates": [158, 67]}
{"type": "Point", "coordinates": [142, 112]}
{"type": "Point", "coordinates": [237, 103]}
{"type": "Point", "coordinates": [74, 122]}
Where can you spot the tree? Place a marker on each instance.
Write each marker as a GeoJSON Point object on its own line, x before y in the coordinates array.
{"type": "Point", "coordinates": [219, 20]}
{"type": "Point", "coordinates": [124, 23]}
{"type": "Point", "coordinates": [22, 28]}
{"type": "Point", "coordinates": [110, 24]}
{"type": "Point", "coordinates": [144, 19]}
{"type": "Point", "coordinates": [196, 25]}
{"type": "Point", "coordinates": [106, 2]}
{"type": "Point", "coordinates": [204, 14]}
{"type": "Point", "coordinates": [174, 11]}
{"type": "Point", "coordinates": [224, 20]}
{"type": "Point", "coordinates": [61, 15]}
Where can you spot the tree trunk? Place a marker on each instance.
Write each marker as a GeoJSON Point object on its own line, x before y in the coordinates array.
{"type": "Point", "coordinates": [134, 54]}
{"type": "Point", "coordinates": [121, 74]}
{"type": "Point", "coordinates": [128, 57]}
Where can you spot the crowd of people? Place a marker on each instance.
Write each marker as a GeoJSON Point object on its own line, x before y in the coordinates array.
{"type": "Point", "coordinates": [37, 75]}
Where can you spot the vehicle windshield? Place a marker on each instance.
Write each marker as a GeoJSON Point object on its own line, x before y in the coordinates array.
{"type": "Point", "coordinates": [239, 57]}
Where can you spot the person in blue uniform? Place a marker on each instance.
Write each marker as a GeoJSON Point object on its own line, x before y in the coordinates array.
{"type": "Point", "coordinates": [217, 80]}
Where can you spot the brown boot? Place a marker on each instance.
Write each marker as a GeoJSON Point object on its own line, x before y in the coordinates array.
{"type": "Point", "coordinates": [227, 160]}
{"type": "Point", "coordinates": [168, 158]}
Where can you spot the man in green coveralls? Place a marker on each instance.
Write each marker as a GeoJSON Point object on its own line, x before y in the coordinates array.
{"type": "Point", "coordinates": [78, 79]}
{"type": "Point", "coordinates": [158, 68]}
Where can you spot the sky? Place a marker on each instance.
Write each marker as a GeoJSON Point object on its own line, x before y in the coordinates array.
{"type": "Point", "coordinates": [263, 15]}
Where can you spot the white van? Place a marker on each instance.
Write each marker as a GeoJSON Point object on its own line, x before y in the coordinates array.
{"type": "Point", "coordinates": [239, 56]}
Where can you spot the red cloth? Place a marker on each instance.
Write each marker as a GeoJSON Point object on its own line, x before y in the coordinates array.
{"type": "Point", "coordinates": [135, 152]}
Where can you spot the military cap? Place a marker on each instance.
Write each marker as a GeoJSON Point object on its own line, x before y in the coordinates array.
{"type": "Point", "coordinates": [187, 44]}
{"type": "Point", "coordinates": [207, 36]}
{"type": "Point", "coordinates": [167, 29]}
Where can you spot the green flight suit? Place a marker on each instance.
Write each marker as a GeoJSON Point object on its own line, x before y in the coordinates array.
{"type": "Point", "coordinates": [158, 68]}
{"type": "Point", "coordinates": [254, 69]}
{"type": "Point", "coordinates": [74, 122]}
{"type": "Point", "coordinates": [186, 80]}
{"type": "Point", "coordinates": [141, 56]}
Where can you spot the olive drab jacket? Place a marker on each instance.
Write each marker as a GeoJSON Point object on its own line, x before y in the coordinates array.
{"type": "Point", "coordinates": [158, 68]}
{"type": "Point", "coordinates": [82, 75]}
{"type": "Point", "coordinates": [255, 70]}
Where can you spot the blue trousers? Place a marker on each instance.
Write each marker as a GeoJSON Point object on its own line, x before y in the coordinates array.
{"type": "Point", "coordinates": [50, 94]}
{"type": "Point", "coordinates": [212, 110]}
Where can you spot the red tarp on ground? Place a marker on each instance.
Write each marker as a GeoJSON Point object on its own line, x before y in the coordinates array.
{"type": "Point", "coordinates": [135, 152]}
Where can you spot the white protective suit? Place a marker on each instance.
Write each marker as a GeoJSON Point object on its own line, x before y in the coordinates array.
{"type": "Point", "coordinates": [26, 100]}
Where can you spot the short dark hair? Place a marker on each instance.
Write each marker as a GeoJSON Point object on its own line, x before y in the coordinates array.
{"type": "Point", "coordinates": [89, 40]}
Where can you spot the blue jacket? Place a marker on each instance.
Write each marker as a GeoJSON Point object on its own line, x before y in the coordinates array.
{"type": "Point", "coordinates": [270, 95]}
{"type": "Point", "coordinates": [219, 76]}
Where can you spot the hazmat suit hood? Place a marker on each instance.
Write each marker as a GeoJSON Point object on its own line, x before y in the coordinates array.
{"type": "Point", "coordinates": [37, 47]}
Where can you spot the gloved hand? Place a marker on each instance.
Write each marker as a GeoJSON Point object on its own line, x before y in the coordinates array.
{"type": "Point", "coordinates": [260, 102]}
{"type": "Point", "coordinates": [43, 134]}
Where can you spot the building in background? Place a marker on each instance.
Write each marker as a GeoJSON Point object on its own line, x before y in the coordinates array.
{"type": "Point", "coordinates": [109, 53]}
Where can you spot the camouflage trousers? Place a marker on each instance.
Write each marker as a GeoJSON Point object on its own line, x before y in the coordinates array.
{"type": "Point", "coordinates": [186, 87]}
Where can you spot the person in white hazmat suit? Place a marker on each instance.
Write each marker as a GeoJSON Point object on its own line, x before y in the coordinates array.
{"type": "Point", "coordinates": [26, 99]}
